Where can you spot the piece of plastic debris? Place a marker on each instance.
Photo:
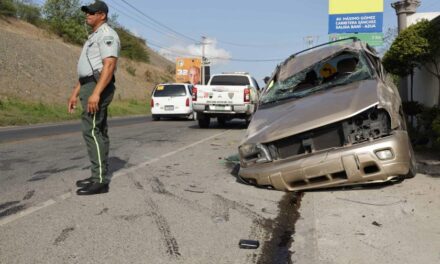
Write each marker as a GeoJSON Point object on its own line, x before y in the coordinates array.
{"type": "Point", "coordinates": [248, 244]}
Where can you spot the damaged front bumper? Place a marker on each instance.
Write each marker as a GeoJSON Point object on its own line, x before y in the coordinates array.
{"type": "Point", "coordinates": [372, 161]}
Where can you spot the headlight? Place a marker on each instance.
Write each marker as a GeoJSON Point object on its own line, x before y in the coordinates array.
{"type": "Point", "coordinates": [257, 153]}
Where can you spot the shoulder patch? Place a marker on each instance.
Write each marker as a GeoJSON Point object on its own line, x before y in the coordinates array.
{"type": "Point", "coordinates": [108, 40]}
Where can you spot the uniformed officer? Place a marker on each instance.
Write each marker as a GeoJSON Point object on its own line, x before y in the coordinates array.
{"type": "Point", "coordinates": [95, 88]}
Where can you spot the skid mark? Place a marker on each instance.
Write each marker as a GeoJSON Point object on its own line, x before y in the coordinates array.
{"type": "Point", "coordinates": [43, 174]}
{"type": "Point", "coordinates": [240, 208]}
{"type": "Point", "coordinates": [220, 211]}
{"type": "Point", "coordinates": [64, 235]}
{"type": "Point", "coordinates": [6, 164]}
{"type": "Point", "coordinates": [8, 204]}
{"type": "Point", "coordinates": [12, 210]}
{"type": "Point", "coordinates": [171, 245]}
{"type": "Point", "coordinates": [158, 187]}
{"type": "Point", "coordinates": [77, 158]}
{"type": "Point", "coordinates": [129, 218]}
{"type": "Point", "coordinates": [103, 211]}
{"type": "Point", "coordinates": [29, 195]}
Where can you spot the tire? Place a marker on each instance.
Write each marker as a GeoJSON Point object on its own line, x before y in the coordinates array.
{"type": "Point", "coordinates": [248, 120]}
{"type": "Point", "coordinates": [221, 121]}
{"type": "Point", "coordinates": [193, 116]}
{"type": "Point", "coordinates": [155, 117]}
{"type": "Point", "coordinates": [203, 121]}
{"type": "Point", "coordinates": [412, 170]}
{"type": "Point", "coordinates": [413, 166]}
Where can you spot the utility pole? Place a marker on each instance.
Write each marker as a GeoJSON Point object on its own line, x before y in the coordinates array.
{"type": "Point", "coordinates": [403, 9]}
{"type": "Point", "coordinates": [204, 60]}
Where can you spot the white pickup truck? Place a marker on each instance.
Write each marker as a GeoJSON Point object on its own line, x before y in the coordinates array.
{"type": "Point", "coordinates": [226, 96]}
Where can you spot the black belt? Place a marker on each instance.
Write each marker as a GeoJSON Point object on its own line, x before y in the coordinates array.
{"type": "Point", "coordinates": [88, 79]}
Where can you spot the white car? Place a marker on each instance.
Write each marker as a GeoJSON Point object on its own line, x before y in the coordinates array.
{"type": "Point", "coordinates": [172, 100]}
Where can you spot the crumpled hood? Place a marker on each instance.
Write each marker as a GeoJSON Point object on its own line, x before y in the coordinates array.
{"type": "Point", "coordinates": [289, 118]}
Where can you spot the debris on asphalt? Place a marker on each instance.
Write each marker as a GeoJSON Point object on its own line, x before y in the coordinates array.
{"type": "Point", "coordinates": [248, 244]}
{"type": "Point", "coordinates": [376, 224]}
{"type": "Point", "coordinates": [235, 159]}
{"type": "Point", "coordinates": [430, 162]}
{"type": "Point", "coordinates": [194, 189]}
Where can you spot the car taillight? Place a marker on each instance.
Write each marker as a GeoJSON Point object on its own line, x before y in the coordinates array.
{"type": "Point", "coordinates": [152, 103]}
{"type": "Point", "coordinates": [187, 102]}
{"type": "Point", "coordinates": [194, 95]}
{"type": "Point", "coordinates": [247, 95]}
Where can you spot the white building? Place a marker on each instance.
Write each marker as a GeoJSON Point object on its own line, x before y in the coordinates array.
{"type": "Point", "coordinates": [426, 86]}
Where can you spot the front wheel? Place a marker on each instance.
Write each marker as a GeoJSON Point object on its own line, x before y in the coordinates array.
{"type": "Point", "coordinates": [193, 116]}
{"type": "Point", "coordinates": [248, 120]}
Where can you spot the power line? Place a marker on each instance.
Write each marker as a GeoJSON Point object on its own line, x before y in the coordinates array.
{"type": "Point", "coordinates": [158, 23]}
{"type": "Point", "coordinates": [245, 60]}
{"type": "Point", "coordinates": [142, 22]}
{"type": "Point", "coordinates": [266, 45]}
{"type": "Point", "coordinates": [175, 52]}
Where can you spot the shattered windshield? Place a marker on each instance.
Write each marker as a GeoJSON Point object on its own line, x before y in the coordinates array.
{"type": "Point", "coordinates": [343, 68]}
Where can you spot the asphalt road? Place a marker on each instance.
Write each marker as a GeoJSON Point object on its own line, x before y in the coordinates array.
{"type": "Point", "coordinates": [9, 134]}
{"type": "Point", "coordinates": [175, 199]}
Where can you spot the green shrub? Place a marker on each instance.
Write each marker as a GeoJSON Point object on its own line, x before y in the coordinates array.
{"type": "Point", "coordinates": [73, 32]}
{"type": "Point", "coordinates": [7, 8]}
{"type": "Point", "coordinates": [412, 108]}
{"type": "Point", "coordinates": [428, 126]}
{"type": "Point", "coordinates": [132, 47]}
{"type": "Point", "coordinates": [436, 128]}
{"type": "Point", "coordinates": [131, 70]}
{"type": "Point", "coordinates": [29, 13]}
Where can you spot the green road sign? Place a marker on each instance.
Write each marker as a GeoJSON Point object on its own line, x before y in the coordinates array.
{"type": "Point", "coordinates": [373, 39]}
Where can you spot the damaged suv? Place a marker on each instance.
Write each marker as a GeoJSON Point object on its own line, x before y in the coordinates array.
{"type": "Point", "coordinates": [328, 117]}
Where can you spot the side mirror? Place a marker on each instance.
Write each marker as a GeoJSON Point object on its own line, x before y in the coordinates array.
{"type": "Point", "coordinates": [266, 79]}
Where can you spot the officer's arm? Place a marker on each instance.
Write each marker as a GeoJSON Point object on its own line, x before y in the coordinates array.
{"type": "Point", "coordinates": [109, 66]}
{"type": "Point", "coordinates": [71, 105]}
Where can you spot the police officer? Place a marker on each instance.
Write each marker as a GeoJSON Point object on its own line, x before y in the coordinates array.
{"type": "Point", "coordinates": [95, 88]}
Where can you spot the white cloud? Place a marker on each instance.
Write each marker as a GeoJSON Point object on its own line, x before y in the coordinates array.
{"type": "Point", "coordinates": [211, 52]}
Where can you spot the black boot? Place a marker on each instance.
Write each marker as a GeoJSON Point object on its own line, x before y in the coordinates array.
{"type": "Point", "coordinates": [84, 183]}
{"type": "Point", "coordinates": [93, 188]}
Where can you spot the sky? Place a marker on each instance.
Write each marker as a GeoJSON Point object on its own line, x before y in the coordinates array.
{"type": "Point", "coordinates": [246, 35]}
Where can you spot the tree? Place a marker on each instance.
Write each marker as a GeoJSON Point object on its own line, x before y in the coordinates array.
{"type": "Point", "coordinates": [66, 19]}
{"type": "Point", "coordinates": [28, 11]}
{"type": "Point", "coordinates": [431, 59]}
{"type": "Point", "coordinates": [407, 52]}
{"type": "Point", "coordinates": [7, 8]}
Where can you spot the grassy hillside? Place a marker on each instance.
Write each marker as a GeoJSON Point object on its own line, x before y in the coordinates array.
{"type": "Point", "coordinates": [38, 67]}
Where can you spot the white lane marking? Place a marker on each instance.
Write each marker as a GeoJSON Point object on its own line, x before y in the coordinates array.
{"type": "Point", "coordinates": [65, 196]}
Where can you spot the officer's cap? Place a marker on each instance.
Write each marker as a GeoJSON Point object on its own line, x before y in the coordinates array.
{"type": "Point", "coordinates": [98, 6]}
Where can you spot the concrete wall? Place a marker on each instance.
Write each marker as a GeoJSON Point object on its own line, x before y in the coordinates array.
{"type": "Point", "coordinates": [425, 84]}
{"type": "Point", "coordinates": [425, 88]}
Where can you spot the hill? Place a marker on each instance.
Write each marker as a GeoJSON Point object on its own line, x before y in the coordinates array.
{"type": "Point", "coordinates": [38, 66]}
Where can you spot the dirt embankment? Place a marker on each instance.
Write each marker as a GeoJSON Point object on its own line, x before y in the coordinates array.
{"type": "Point", "coordinates": [38, 66]}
